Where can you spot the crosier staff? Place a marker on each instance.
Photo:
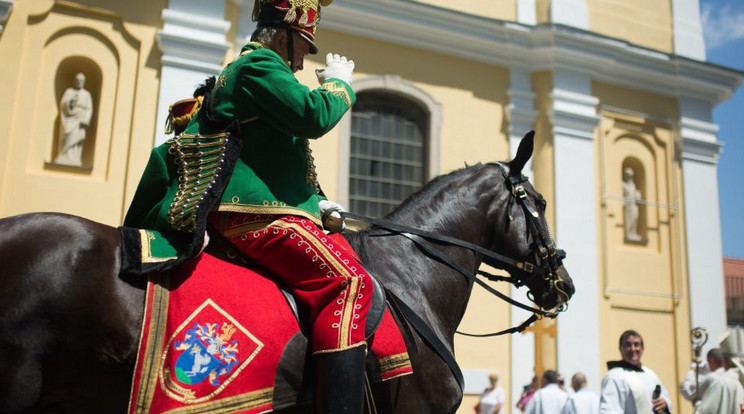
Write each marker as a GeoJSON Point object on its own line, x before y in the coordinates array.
{"type": "Point", "coordinates": [698, 337]}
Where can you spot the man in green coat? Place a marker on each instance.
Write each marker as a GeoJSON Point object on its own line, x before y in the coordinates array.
{"type": "Point", "coordinates": [243, 165]}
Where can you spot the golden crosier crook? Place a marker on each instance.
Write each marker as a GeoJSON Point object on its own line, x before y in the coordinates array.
{"type": "Point", "coordinates": [698, 337]}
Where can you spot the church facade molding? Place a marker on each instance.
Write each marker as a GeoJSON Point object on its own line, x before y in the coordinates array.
{"type": "Point", "coordinates": [541, 47]}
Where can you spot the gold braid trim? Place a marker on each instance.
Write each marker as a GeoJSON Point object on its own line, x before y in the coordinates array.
{"type": "Point", "coordinates": [338, 90]}
{"type": "Point", "coordinates": [199, 159]}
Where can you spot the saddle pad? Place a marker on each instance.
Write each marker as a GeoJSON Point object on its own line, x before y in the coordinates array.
{"type": "Point", "coordinates": [213, 336]}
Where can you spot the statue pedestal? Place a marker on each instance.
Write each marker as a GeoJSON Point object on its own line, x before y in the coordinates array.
{"type": "Point", "coordinates": [57, 166]}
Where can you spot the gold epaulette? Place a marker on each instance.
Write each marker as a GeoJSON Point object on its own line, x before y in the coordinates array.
{"type": "Point", "coordinates": [181, 112]}
{"type": "Point", "coordinates": [200, 160]}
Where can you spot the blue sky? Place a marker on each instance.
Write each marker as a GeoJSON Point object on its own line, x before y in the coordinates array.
{"type": "Point", "coordinates": [723, 27]}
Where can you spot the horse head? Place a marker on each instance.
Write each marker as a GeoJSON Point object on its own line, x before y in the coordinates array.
{"type": "Point", "coordinates": [523, 234]}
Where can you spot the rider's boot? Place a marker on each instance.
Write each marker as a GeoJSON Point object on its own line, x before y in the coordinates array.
{"type": "Point", "coordinates": [339, 381]}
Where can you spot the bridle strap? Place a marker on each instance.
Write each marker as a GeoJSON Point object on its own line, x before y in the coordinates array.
{"type": "Point", "coordinates": [290, 46]}
{"type": "Point", "coordinates": [428, 248]}
{"type": "Point", "coordinates": [399, 228]}
{"type": "Point", "coordinates": [427, 335]}
{"type": "Point", "coordinates": [546, 249]}
{"type": "Point", "coordinates": [517, 329]}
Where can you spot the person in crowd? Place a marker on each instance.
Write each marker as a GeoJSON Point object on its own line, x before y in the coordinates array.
{"type": "Point", "coordinates": [527, 393]}
{"type": "Point", "coordinates": [582, 401]}
{"type": "Point", "coordinates": [549, 399]}
{"type": "Point", "coordinates": [630, 387]}
{"type": "Point", "coordinates": [492, 399]}
{"type": "Point", "coordinates": [725, 394]}
{"type": "Point", "coordinates": [694, 384]}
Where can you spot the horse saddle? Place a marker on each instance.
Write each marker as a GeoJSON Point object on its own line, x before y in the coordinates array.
{"type": "Point", "coordinates": [220, 334]}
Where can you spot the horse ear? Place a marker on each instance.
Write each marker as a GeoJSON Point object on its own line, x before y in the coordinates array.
{"type": "Point", "coordinates": [524, 152]}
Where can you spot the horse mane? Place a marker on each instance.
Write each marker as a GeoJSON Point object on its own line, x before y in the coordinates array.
{"type": "Point", "coordinates": [433, 187]}
{"type": "Point", "coordinates": [358, 239]}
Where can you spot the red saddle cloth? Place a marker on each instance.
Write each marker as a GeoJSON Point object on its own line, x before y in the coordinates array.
{"type": "Point", "coordinates": [218, 337]}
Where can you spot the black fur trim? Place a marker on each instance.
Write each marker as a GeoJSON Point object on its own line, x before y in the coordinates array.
{"type": "Point", "coordinates": [213, 195]}
{"type": "Point", "coordinates": [205, 87]}
{"type": "Point", "coordinates": [131, 251]}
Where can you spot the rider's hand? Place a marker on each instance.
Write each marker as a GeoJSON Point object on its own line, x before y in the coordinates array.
{"type": "Point", "coordinates": [329, 213]}
{"type": "Point", "coordinates": [337, 67]}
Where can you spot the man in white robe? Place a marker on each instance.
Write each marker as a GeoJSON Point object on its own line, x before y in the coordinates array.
{"type": "Point", "coordinates": [629, 387]}
{"type": "Point", "coordinates": [582, 401]}
{"type": "Point", "coordinates": [693, 386]}
{"type": "Point", "coordinates": [549, 399]}
{"type": "Point", "coordinates": [725, 395]}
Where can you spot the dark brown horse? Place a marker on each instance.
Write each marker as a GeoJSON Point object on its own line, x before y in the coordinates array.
{"type": "Point", "coordinates": [70, 323]}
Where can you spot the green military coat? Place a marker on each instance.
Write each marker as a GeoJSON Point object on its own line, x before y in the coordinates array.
{"type": "Point", "coordinates": [274, 172]}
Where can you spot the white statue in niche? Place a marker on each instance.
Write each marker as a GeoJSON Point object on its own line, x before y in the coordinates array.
{"type": "Point", "coordinates": [631, 198]}
{"type": "Point", "coordinates": [75, 112]}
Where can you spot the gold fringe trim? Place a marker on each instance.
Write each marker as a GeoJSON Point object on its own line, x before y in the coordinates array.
{"type": "Point", "coordinates": [181, 121]}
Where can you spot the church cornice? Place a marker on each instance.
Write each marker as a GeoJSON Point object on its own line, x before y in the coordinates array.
{"type": "Point", "coordinates": [539, 48]}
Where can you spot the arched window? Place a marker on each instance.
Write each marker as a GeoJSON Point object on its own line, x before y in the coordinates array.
{"type": "Point", "coordinates": [388, 151]}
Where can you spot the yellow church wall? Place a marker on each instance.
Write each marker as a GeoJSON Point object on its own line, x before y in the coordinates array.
{"type": "Point", "coordinates": [643, 284]}
{"type": "Point", "coordinates": [645, 23]}
{"type": "Point", "coordinates": [43, 46]}
{"type": "Point", "coordinates": [542, 11]}
{"type": "Point", "coordinates": [542, 161]}
{"type": "Point", "coordinates": [502, 10]}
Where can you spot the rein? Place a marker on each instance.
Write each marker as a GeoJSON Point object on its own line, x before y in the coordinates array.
{"type": "Point", "coordinates": [550, 259]}
{"type": "Point", "coordinates": [420, 237]}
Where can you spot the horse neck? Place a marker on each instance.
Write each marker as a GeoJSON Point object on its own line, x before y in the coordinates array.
{"type": "Point", "coordinates": [456, 205]}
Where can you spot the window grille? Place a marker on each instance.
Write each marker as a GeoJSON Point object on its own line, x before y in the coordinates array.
{"type": "Point", "coordinates": [387, 158]}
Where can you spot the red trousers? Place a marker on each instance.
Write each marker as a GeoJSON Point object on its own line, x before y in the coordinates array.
{"type": "Point", "coordinates": [323, 275]}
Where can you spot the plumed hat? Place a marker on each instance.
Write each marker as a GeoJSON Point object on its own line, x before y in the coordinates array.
{"type": "Point", "coordinates": [301, 16]}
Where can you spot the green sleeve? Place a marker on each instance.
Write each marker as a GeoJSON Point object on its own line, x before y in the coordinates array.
{"type": "Point", "coordinates": [151, 190]}
{"type": "Point", "coordinates": [157, 244]}
{"type": "Point", "coordinates": [280, 100]}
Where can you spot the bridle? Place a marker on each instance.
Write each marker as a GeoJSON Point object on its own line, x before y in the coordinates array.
{"type": "Point", "coordinates": [546, 267]}
{"type": "Point", "coordinates": [550, 258]}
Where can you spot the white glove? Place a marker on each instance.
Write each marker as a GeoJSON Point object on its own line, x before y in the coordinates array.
{"type": "Point", "coordinates": [337, 67]}
{"type": "Point", "coordinates": [329, 213]}
{"type": "Point", "coordinates": [204, 243]}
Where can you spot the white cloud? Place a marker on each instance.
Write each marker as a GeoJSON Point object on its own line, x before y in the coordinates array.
{"type": "Point", "coordinates": [722, 25]}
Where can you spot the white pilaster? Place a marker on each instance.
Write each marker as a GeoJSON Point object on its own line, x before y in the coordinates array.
{"type": "Point", "coordinates": [521, 116]}
{"type": "Point", "coordinates": [700, 151]}
{"type": "Point", "coordinates": [5, 8]}
{"type": "Point", "coordinates": [574, 118]}
{"type": "Point", "coordinates": [526, 13]}
{"type": "Point", "coordinates": [688, 31]}
{"type": "Point", "coordinates": [520, 112]}
{"type": "Point", "coordinates": [246, 25]}
{"type": "Point", "coordinates": [193, 44]}
{"type": "Point", "coordinates": [570, 12]}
